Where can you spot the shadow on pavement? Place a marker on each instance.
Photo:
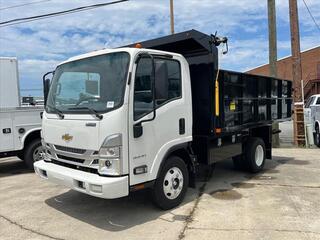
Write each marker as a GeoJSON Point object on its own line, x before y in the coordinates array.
{"type": "Point", "coordinates": [12, 166]}
{"type": "Point", "coordinates": [111, 215]}
{"type": "Point", "coordinates": [136, 209]}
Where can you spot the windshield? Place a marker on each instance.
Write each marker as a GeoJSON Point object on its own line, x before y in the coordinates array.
{"type": "Point", "coordinates": [93, 83]}
{"type": "Point", "coordinates": [309, 102]}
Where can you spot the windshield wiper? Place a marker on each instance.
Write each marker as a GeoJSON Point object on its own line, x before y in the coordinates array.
{"type": "Point", "coordinates": [57, 111]}
{"type": "Point", "coordinates": [94, 112]}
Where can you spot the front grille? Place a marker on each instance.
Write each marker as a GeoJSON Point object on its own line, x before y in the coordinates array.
{"type": "Point", "coordinates": [77, 160]}
{"type": "Point", "coordinates": [81, 168]}
{"type": "Point", "coordinates": [69, 149]}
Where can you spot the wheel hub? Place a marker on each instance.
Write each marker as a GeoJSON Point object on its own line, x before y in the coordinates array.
{"type": "Point", "coordinates": [259, 155]}
{"type": "Point", "coordinates": [173, 183]}
{"type": "Point", "coordinates": [38, 154]}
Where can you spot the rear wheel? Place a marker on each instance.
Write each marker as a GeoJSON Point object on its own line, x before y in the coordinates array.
{"type": "Point", "coordinates": [33, 152]}
{"type": "Point", "coordinates": [255, 155]}
{"type": "Point", "coordinates": [317, 136]}
{"type": "Point", "coordinates": [171, 185]}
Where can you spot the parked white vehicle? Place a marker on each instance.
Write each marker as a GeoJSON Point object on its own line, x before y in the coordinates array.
{"type": "Point", "coordinates": [19, 126]}
{"type": "Point", "coordinates": [312, 116]}
{"type": "Point", "coordinates": [125, 119]}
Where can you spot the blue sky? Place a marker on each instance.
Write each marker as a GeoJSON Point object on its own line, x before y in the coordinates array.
{"type": "Point", "coordinates": [41, 45]}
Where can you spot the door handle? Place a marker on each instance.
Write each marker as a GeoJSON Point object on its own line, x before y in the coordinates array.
{"type": "Point", "coordinates": [182, 126]}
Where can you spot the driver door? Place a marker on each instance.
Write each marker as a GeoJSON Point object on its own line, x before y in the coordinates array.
{"type": "Point", "coordinates": [161, 130]}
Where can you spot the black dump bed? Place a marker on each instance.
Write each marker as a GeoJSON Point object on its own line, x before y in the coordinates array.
{"type": "Point", "coordinates": [239, 102]}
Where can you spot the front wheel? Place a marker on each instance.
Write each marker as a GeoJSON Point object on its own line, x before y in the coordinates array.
{"type": "Point", "coordinates": [171, 185]}
{"type": "Point", "coordinates": [33, 152]}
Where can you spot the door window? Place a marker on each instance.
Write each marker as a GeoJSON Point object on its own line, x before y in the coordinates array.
{"type": "Point", "coordinates": [167, 84]}
{"type": "Point", "coordinates": [143, 100]}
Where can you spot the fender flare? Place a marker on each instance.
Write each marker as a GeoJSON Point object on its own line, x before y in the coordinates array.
{"type": "Point", "coordinates": [182, 146]}
{"type": "Point", "coordinates": [23, 139]}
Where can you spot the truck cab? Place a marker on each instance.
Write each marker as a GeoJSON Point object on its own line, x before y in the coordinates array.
{"type": "Point", "coordinates": [113, 122]}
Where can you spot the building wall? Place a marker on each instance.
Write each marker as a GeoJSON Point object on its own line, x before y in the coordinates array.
{"type": "Point", "coordinates": [310, 63]}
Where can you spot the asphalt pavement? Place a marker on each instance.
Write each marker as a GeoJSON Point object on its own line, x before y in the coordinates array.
{"type": "Point", "coordinates": [282, 202]}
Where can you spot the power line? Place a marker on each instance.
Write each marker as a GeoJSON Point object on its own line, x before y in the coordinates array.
{"type": "Point", "coordinates": [54, 14]}
{"type": "Point", "coordinates": [24, 4]}
{"type": "Point", "coordinates": [314, 20]}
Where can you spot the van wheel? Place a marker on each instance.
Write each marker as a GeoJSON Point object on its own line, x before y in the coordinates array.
{"type": "Point", "coordinates": [33, 152]}
{"type": "Point", "coordinates": [317, 137]}
{"type": "Point", "coordinates": [255, 155]}
{"type": "Point", "coordinates": [171, 185]}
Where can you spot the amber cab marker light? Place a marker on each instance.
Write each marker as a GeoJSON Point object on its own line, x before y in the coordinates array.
{"type": "Point", "coordinates": [138, 45]}
{"type": "Point", "coordinates": [138, 187]}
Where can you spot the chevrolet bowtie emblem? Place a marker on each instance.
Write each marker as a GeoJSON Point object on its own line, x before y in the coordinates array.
{"type": "Point", "coordinates": [66, 137]}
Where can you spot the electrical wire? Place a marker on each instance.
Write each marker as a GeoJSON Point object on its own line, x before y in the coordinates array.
{"type": "Point", "coordinates": [54, 14]}
{"type": "Point", "coordinates": [24, 4]}
{"type": "Point", "coordinates": [314, 20]}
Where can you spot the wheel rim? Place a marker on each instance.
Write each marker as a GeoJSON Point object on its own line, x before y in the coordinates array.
{"type": "Point", "coordinates": [173, 183]}
{"type": "Point", "coordinates": [38, 154]}
{"type": "Point", "coordinates": [259, 155]}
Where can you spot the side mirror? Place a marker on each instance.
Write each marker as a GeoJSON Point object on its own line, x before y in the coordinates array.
{"type": "Point", "coordinates": [46, 86]}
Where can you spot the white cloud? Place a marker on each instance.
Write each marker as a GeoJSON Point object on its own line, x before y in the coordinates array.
{"type": "Point", "coordinates": [54, 39]}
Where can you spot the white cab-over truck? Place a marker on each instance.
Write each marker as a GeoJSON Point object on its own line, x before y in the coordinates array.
{"type": "Point", "coordinates": [19, 126]}
{"type": "Point", "coordinates": [312, 116]}
{"type": "Point", "coordinates": [125, 119]}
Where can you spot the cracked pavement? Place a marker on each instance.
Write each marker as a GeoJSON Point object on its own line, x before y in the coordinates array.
{"type": "Point", "coordinates": [280, 203]}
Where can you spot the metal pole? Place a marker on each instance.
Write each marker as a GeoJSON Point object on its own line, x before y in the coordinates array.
{"type": "Point", "coordinates": [273, 57]}
{"type": "Point", "coordinates": [272, 38]}
{"type": "Point", "coordinates": [298, 123]}
{"type": "Point", "coordinates": [171, 17]}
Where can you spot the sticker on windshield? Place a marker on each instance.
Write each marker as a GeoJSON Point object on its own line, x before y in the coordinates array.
{"type": "Point", "coordinates": [110, 104]}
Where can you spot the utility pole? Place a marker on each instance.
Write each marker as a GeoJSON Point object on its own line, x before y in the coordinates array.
{"type": "Point", "coordinates": [171, 17]}
{"type": "Point", "coordinates": [298, 124]}
{"type": "Point", "coordinates": [273, 57]}
{"type": "Point", "coordinates": [272, 38]}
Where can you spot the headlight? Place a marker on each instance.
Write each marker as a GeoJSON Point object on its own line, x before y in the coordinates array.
{"type": "Point", "coordinates": [110, 155]}
{"type": "Point", "coordinates": [110, 152]}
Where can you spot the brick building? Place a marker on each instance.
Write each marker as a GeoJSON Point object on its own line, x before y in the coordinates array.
{"type": "Point", "coordinates": [310, 63]}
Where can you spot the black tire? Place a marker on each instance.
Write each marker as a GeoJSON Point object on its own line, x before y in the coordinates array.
{"type": "Point", "coordinates": [251, 163]}
{"type": "Point", "coordinates": [29, 152]}
{"type": "Point", "coordinates": [158, 192]}
{"type": "Point", "coordinates": [317, 137]}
